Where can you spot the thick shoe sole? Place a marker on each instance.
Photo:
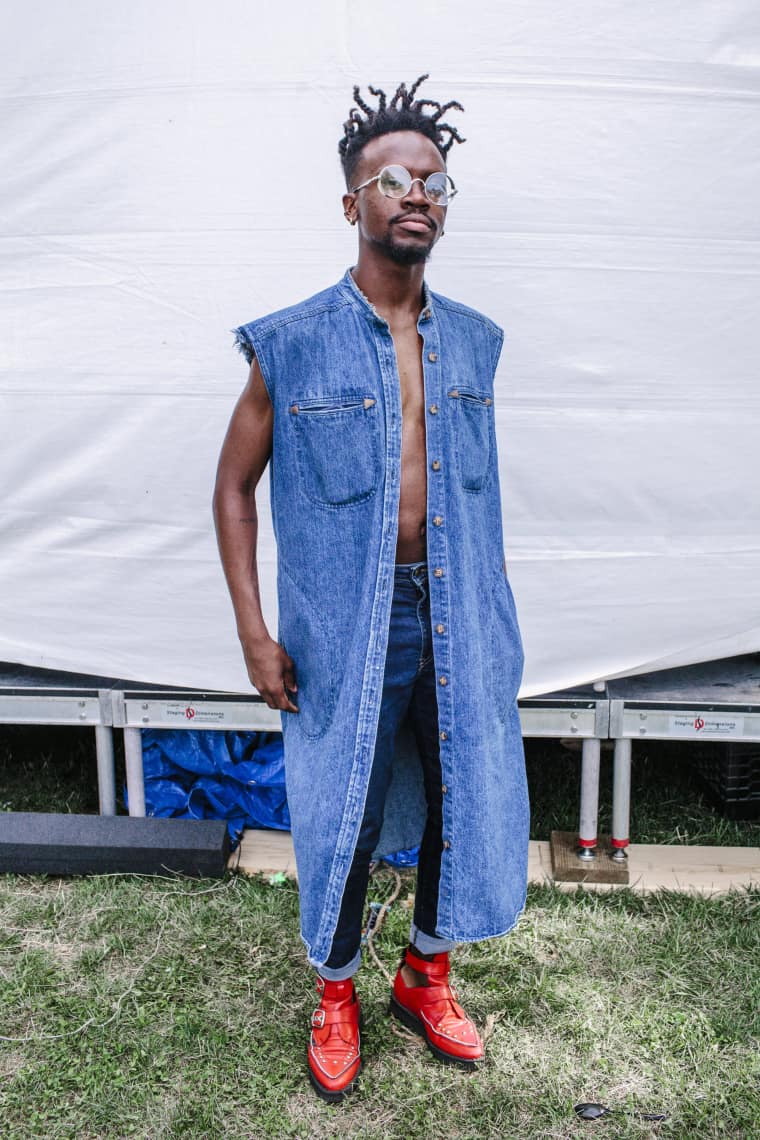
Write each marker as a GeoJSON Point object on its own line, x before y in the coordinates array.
{"type": "Point", "coordinates": [330, 1095]}
{"type": "Point", "coordinates": [411, 1021]}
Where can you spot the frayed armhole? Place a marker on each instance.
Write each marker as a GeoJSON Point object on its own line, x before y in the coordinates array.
{"type": "Point", "coordinates": [244, 346]}
{"type": "Point", "coordinates": [242, 343]}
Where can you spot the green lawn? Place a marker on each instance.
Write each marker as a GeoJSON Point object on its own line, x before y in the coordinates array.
{"type": "Point", "coordinates": [175, 1008]}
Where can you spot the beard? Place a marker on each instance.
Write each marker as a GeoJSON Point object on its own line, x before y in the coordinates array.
{"type": "Point", "coordinates": [403, 254]}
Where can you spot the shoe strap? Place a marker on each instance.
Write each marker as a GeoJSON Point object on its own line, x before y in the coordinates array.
{"type": "Point", "coordinates": [438, 968]}
{"type": "Point", "coordinates": [344, 1014]}
{"type": "Point", "coordinates": [431, 994]}
{"type": "Point", "coordinates": [335, 991]}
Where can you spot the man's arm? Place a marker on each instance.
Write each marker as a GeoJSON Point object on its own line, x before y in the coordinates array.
{"type": "Point", "coordinates": [245, 453]}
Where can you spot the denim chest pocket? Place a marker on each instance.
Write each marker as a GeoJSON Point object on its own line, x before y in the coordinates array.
{"type": "Point", "coordinates": [338, 447]}
{"type": "Point", "coordinates": [472, 413]}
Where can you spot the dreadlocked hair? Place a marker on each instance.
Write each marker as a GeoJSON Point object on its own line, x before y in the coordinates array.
{"type": "Point", "coordinates": [404, 112]}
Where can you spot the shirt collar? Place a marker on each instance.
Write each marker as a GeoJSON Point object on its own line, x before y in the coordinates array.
{"type": "Point", "coordinates": [354, 292]}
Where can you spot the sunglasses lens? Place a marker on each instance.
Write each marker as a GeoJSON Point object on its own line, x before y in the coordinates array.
{"type": "Point", "coordinates": [394, 181]}
{"type": "Point", "coordinates": [437, 188]}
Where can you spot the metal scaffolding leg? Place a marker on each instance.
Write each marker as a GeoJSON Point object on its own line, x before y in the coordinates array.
{"type": "Point", "coordinates": [106, 773]}
{"type": "Point", "coordinates": [621, 799]}
{"type": "Point", "coordinates": [587, 837]}
{"type": "Point", "coordinates": [134, 764]}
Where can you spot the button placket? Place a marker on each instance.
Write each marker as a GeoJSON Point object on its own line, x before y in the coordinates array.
{"type": "Point", "coordinates": [438, 560]}
{"type": "Point", "coordinates": [375, 662]}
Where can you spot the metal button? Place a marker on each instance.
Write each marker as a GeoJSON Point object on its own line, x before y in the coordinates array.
{"type": "Point", "coordinates": [426, 314]}
{"type": "Point", "coordinates": [438, 572]}
{"type": "Point", "coordinates": [440, 628]}
{"type": "Point", "coordinates": [432, 357]}
{"type": "Point", "coordinates": [444, 788]}
{"type": "Point", "coordinates": [443, 681]}
{"type": "Point", "coordinates": [446, 844]}
{"type": "Point", "coordinates": [433, 409]}
{"type": "Point", "coordinates": [444, 736]}
{"type": "Point", "coordinates": [438, 520]}
{"type": "Point", "coordinates": [436, 465]}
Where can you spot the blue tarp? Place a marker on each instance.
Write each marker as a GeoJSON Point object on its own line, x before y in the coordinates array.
{"type": "Point", "coordinates": [409, 857]}
{"type": "Point", "coordinates": [203, 774]}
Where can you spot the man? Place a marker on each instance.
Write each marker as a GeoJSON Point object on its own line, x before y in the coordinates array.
{"type": "Point", "coordinates": [398, 657]}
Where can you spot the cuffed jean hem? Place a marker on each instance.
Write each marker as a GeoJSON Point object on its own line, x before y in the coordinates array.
{"type": "Point", "coordinates": [428, 943]}
{"type": "Point", "coordinates": [340, 973]}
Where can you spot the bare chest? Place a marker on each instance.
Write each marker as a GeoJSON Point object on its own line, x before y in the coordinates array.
{"type": "Point", "coordinates": [408, 345]}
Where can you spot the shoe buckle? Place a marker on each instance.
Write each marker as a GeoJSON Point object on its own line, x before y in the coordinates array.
{"type": "Point", "coordinates": [318, 1018]}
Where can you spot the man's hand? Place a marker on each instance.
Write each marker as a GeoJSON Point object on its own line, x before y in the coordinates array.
{"type": "Point", "coordinates": [271, 671]}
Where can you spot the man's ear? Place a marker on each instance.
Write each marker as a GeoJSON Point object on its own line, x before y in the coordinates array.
{"type": "Point", "coordinates": [349, 208]}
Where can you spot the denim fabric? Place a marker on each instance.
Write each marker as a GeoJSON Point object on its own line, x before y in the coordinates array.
{"type": "Point", "coordinates": [408, 690]}
{"type": "Point", "coordinates": [330, 369]}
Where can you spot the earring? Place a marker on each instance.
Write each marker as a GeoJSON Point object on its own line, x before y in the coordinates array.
{"type": "Point", "coordinates": [351, 221]}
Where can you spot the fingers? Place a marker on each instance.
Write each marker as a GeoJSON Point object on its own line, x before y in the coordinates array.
{"type": "Point", "coordinates": [289, 683]}
{"type": "Point", "coordinates": [289, 706]}
{"type": "Point", "coordinates": [276, 698]}
{"type": "Point", "coordinates": [289, 675]}
{"type": "Point", "coordinates": [275, 691]}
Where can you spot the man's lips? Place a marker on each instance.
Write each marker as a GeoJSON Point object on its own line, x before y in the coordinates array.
{"type": "Point", "coordinates": [414, 223]}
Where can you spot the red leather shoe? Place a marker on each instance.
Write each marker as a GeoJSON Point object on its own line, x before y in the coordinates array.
{"type": "Point", "coordinates": [433, 1011]}
{"type": "Point", "coordinates": [333, 1053]}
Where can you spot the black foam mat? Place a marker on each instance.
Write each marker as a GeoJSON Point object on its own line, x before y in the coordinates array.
{"type": "Point", "coordinates": [55, 844]}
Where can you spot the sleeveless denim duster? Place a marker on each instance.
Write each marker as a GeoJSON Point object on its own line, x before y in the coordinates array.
{"type": "Point", "coordinates": [330, 369]}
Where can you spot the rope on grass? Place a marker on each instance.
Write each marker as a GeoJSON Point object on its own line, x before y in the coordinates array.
{"type": "Point", "coordinates": [371, 934]}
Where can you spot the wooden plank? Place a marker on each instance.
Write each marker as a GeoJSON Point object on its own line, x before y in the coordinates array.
{"type": "Point", "coordinates": [651, 867]}
{"type": "Point", "coordinates": [570, 868]}
{"type": "Point", "coordinates": [264, 853]}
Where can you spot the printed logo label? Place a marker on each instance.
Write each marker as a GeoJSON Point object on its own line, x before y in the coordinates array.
{"type": "Point", "coordinates": [706, 724]}
{"type": "Point", "coordinates": [203, 714]}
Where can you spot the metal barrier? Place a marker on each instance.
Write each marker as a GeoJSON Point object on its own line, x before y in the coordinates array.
{"type": "Point", "coordinates": [719, 701]}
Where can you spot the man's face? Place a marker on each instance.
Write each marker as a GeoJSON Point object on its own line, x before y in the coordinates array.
{"type": "Point", "coordinates": [404, 229]}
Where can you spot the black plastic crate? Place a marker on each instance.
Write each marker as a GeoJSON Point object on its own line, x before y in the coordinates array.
{"type": "Point", "coordinates": [731, 776]}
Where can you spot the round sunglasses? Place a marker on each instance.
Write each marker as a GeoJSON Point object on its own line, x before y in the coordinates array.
{"type": "Point", "coordinates": [396, 182]}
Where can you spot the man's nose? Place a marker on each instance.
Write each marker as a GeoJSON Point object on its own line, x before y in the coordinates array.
{"type": "Point", "coordinates": [416, 194]}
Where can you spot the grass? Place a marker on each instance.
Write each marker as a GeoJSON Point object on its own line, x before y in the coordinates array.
{"type": "Point", "coordinates": [162, 1008]}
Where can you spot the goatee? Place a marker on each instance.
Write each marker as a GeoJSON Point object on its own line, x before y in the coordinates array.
{"type": "Point", "coordinates": [404, 254]}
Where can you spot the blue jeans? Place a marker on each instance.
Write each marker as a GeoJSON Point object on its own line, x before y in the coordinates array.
{"type": "Point", "coordinates": [408, 686]}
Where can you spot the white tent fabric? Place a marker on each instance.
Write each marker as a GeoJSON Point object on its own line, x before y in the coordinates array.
{"type": "Point", "coordinates": [170, 171]}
